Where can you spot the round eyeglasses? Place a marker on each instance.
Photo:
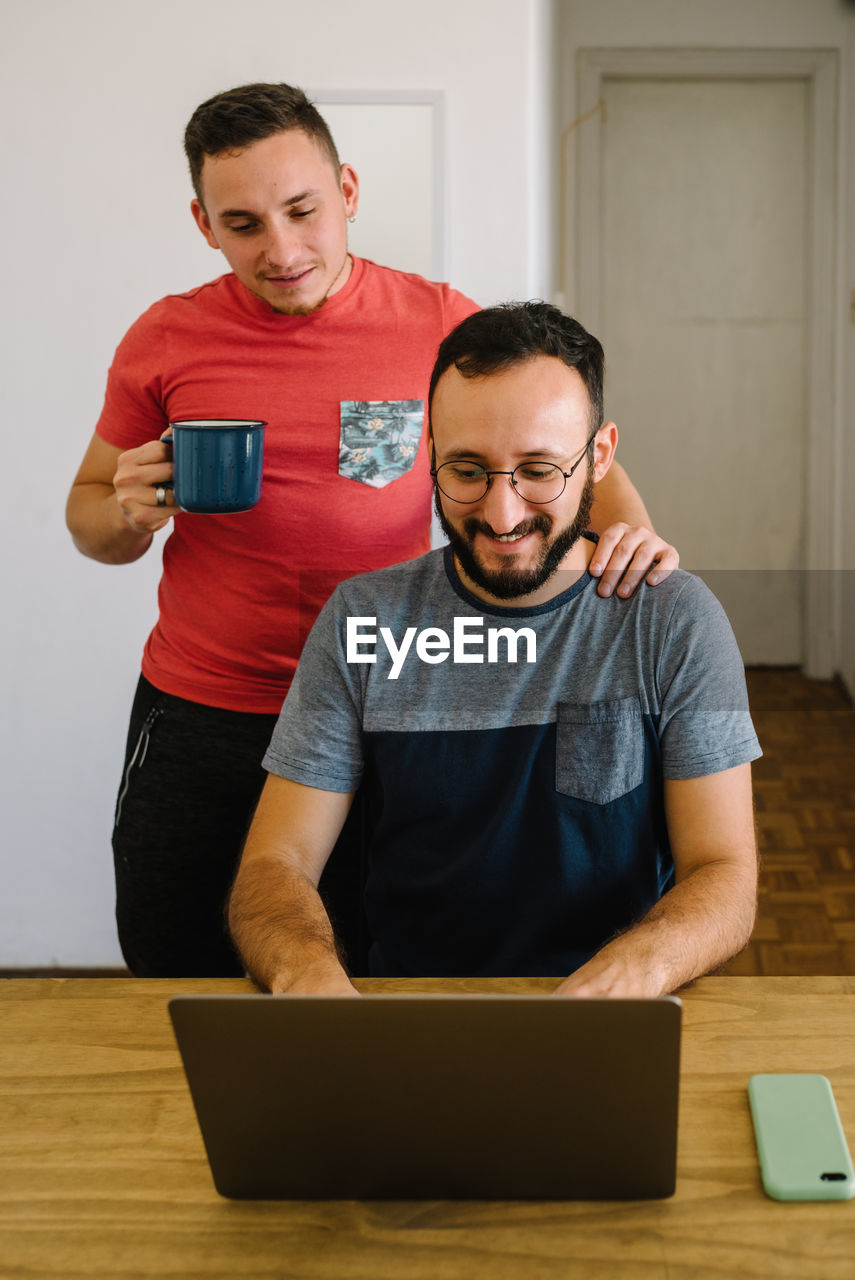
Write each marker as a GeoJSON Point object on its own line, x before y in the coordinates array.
{"type": "Point", "coordinates": [463, 480]}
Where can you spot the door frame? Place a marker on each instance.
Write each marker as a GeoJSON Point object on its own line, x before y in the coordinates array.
{"type": "Point", "coordinates": [355, 100]}
{"type": "Point", "coordinates": [819, 69]}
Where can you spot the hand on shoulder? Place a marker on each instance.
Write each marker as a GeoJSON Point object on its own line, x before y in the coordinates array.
{"type": "Point", "coordinates": [625, 553]}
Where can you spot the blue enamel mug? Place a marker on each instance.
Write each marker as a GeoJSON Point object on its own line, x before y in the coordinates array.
{"type": "Point", "coordinates": [217, 464]}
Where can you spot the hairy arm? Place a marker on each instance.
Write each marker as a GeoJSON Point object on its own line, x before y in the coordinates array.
{"type": "Point", "coordinates": [276, 916]}
{"type": "Point", "coordinates": [112, 509]}
{"type": "Point", "coordinates": [709, 913]}
{"type": "Point", "coordinates": [617, 500]}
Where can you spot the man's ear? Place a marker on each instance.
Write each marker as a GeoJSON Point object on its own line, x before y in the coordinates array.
{"type": "Point", "coordinates": [349, 184]}
{"type": "Point", "coordinates": [604, 449]}
{"type": "Point", "coordinates": [202, 222]}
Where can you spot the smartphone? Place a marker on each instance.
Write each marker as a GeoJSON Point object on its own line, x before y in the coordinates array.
{"type": "Point", "coordinates": [800, 1141]}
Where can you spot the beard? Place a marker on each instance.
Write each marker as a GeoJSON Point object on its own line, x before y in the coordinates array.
{"type": "Point", "coordinates": [511, 583]}
{"type": "Point", "coordinates": [309, 308]}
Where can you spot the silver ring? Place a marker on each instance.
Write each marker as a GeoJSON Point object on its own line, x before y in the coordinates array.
{"type": "Point", "coordinates": [160, 494]}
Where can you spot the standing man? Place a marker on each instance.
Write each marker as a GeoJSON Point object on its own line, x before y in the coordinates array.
{"type": "Point", "coordinates": [334, 353]}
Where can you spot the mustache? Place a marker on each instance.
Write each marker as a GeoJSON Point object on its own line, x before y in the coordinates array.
{"type": "Point", "coordinates": [541, 523]}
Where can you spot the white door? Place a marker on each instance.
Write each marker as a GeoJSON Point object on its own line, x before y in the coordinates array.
{"type": "Point", "coordinates": [703, 315]}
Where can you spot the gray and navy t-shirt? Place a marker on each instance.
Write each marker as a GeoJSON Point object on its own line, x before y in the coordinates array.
{"type": "Point", "coordinates": [512, 759]}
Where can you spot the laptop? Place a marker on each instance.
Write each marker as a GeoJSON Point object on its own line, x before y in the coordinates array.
{"type": "Point", "coordinates": [414, 1097]}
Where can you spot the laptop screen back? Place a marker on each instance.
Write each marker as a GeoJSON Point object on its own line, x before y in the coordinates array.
{"type": "Point", "coordinates": [434, 1097]}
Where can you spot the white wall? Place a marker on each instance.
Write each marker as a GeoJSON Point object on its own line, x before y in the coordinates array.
{"type": "Point", "coordinates": [765, 24]}
{"type": "Point", "coordinates": [96, 94]}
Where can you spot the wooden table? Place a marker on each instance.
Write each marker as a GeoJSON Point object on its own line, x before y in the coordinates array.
{"type": "Point", "coordinates": [103, 1173]}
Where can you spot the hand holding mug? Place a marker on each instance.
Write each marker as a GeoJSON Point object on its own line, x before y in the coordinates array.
{"type": "Point", "coordinates": [142, 476]}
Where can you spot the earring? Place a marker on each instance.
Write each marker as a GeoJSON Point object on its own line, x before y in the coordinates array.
{"type": "Point", "coordinates": [352, 218]}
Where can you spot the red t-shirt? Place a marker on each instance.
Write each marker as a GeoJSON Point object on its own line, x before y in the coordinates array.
{"type": "Point", "coordinates": [346, 485]}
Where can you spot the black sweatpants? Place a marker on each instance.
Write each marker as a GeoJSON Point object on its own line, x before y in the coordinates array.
{"type": "Point", "coordinates": [191, 780]}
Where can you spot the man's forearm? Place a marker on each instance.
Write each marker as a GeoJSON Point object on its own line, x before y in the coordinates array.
{"type": "Point", "coordinates": [617, 501]}
{"type": "Point", "coordinates": [282, 931]}
{"type": "Point", "coordinates": [98, 528]}
{"type": "Point", "coordinates": [696, 927]}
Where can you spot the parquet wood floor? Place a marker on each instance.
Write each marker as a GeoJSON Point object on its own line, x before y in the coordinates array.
{"type": "Point", "coordinates": [804, 790]}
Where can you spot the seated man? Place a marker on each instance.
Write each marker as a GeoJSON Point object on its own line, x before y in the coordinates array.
{"type": "Point", "coordinates": [557, 783]}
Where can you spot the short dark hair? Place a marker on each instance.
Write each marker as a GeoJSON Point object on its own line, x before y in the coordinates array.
{"type": "Point", "coordinates": [247, 114]}
{"type": "Point", "coordinates": [502, 336]}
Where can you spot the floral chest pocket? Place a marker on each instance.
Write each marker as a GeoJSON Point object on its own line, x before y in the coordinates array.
{"type": "Point", "coordinates": [599, 752]}
{"type": "Point", "coordinates": [379, 439]}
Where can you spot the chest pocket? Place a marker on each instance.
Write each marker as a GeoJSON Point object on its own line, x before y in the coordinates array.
{"type": "Point", "coordinates": [379, 439]}
{"type": "Point", "coordinates": [599, 749]}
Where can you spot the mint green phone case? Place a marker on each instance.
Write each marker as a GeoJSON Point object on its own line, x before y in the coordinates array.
{"type": "Point", "coordinates": [800, 1141]}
